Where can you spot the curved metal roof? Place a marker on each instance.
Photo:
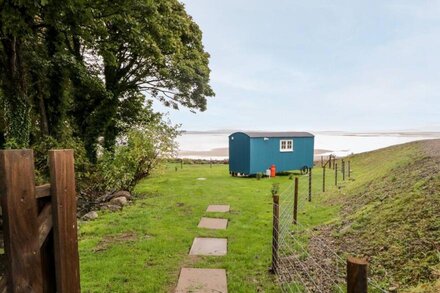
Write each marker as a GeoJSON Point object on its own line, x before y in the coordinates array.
{"type": "Point", "coordinates": [277, 134]}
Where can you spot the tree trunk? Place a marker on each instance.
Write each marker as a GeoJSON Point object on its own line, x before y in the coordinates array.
{"type": "Point", "coordinates": [111, 84]}
{"type": "Point", "coordinates": [44, 125]}
{"type": "Point", "coordinates": [17, 104]}
{"type": "Point", "coordinates": [110, 135]}
{"type": "Point", "coordinates": [38, 101]}
{"type": "Point", "coordinates": [56, 103]}
{"type": "Point", "coordinates": [88, 97]}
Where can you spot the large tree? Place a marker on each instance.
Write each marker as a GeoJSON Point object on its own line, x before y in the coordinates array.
{"type": "Point", "coordinates": [17, 32]}
{"type": "Point", "coordinates": [88, 67]}
{"type": "Point", "coordinates": [153, 48]}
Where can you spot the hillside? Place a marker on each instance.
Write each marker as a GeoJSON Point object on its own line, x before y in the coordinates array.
{"type": "Point", "coordinates": [391, 214]}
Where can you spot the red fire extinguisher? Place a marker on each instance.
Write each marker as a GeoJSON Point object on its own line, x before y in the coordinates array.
{"type": "Point", "coordinates": [272, 171]}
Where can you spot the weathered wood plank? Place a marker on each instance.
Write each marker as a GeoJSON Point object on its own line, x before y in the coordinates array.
{"type": "Point", "coordinates": [47, 249]}
{"type": "Point", "coordinates": [17, 192]}
{"type": "Point", "coordinates": [45, 223]}
{"type": "Point", "coordinates": [48, 264]}
{"type": "Point", "coordinates": [62, 179]}
{"type": "Point", "coordinates": [42, 191]}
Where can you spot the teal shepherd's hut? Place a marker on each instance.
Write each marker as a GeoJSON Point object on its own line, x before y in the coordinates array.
{"type": "Point", "coordinates": [254, 152]}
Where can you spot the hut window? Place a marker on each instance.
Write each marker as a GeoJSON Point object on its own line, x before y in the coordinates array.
{"type": "Point", "coordinates": [286, 145]}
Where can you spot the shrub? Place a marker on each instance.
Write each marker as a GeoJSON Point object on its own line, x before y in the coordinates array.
{"type": "Point", "coordinates": [275, 188]}
{"type": "Point", "coordinates": [139, 153]}
{"type": "Point", "coordinates": [41, 154]}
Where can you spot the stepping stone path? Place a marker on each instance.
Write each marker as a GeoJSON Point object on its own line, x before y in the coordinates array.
{"type": "Point", "coordinates": [196, 280]}
{"type": "Point", "coordinates": [215, 208]}
{"type": "Point", "coordinates": [209, 246]}
{"type": "Point", "coordinates": [213, 223]}
{"type": "Point", "coordinates": [206, 280]}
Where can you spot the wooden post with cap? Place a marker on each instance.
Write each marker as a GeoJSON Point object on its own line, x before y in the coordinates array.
{"type": "Point", "coordinates": [295, 202]}
{"type": "Point", "coordinates": [357, 275]}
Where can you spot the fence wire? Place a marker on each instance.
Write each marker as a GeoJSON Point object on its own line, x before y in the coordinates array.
{"type": "Point", "coordinates": [307, 262]}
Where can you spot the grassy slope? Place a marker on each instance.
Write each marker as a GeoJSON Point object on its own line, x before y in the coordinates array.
{"type": "Point", "coordinates": [392, 214]}
{"type": "Point", "coordinates": [142, 248]}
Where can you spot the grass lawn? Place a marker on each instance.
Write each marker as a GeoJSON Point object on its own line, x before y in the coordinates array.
{"type": "Point", "coordinates": [143, 248]}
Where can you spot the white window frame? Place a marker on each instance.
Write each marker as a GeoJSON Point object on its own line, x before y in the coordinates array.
{"type": "Point", "coordinates": [284, 145]}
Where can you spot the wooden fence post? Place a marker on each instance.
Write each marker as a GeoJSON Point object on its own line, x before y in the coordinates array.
{"type": "Point", "coordinates": [17, 192]}
{"type": "Point", "coordinates": [62, 178]}
{"type": "Point", "coordinates": [349, 169]}
{"type": "Point", "coordinates": [323, 179]}
{"type": "Point", "coordinates": [336, 173]}
{"type": "Point", "coordinates": [295, 202]}
{"type": "Point", "coordinates": [310, 184]}
{"type": "Point", "coordinates": [343, 170]}
{"type": "Point", "coordinates": [322, 161]}
{"type": "Point", "coordinates": [357, 279]}
{"type": "Point", "coordinates": [275, 231]}
{"type": "Point", "coordinates": [330, 161]}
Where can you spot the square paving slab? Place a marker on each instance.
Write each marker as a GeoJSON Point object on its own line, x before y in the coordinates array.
{"type": "Point", "coordinates": [202, 281]}
{"type": "Point", "coordinates": [209, 246]}
{"type": "Point", "coordinates": [218, 208]}
{"type": "Point", "coordinates": [213, 223]}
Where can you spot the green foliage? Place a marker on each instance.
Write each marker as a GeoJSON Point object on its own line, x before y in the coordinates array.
{"type": "Point", "coordinates": [16, 35]}
{"type": "Point", "coordinates": [140, 152]}
{"type": "Point", "coordinates": [17, 117]}
{"type": "Point", "coordinates": [95, 66]}
{"type": "Point", "coordinates": [275, 188]}
{"type": "Point", "coordinates": [150, 48]}
{"type": "Point", "coordinates": [11, 144]}
{"type": "Point", "coordinates": [83, 168]}
{"type": "Point", "coordinates": [82, 73]}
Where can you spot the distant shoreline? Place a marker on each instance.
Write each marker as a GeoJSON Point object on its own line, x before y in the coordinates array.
{"type": "Point", "coordinates": [409, 133]}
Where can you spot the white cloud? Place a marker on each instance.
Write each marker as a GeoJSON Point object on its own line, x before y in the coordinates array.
{"type": "Point", "coordinates": [319, 64]}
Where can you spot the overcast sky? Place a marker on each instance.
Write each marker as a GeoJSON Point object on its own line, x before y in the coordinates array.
{"type": "Point", "coordinates": [319, 65]}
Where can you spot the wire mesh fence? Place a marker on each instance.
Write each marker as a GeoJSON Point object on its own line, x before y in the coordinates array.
{"type": "Point", "coordinates": [304, 259]}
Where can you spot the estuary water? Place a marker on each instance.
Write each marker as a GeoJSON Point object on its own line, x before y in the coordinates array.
{"type": "Point", "coordinates": [214, 145]}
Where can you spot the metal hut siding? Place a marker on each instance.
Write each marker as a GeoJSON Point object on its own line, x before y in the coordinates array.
{"type": "Point", "coordinates": [254, 152]}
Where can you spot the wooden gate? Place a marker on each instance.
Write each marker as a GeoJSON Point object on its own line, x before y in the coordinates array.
{"type": "Point", "coordinates": [39, 223]}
